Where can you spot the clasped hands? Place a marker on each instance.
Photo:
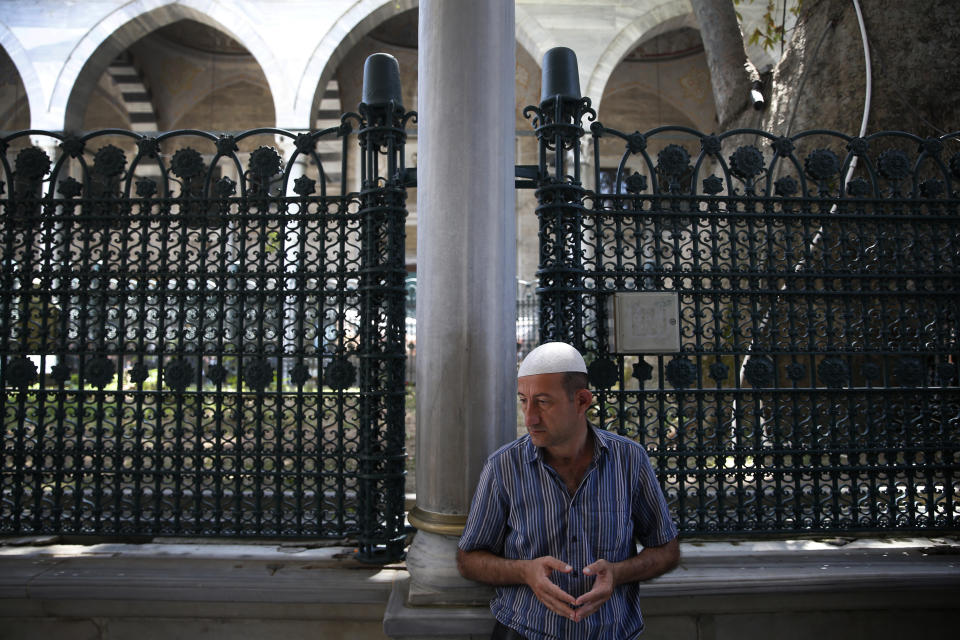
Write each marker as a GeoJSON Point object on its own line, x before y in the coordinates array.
{"type": "Point", "coordinates": [537, 577]}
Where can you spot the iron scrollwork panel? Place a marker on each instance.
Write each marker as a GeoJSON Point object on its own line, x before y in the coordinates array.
{"type": "Point", "coordinates": [184, 339]}
{"type": "Point", "coordinates": [816, 388]}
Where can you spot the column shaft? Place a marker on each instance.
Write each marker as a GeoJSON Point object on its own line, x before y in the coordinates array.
{"type": "Point", "coordinates": [466, 248]}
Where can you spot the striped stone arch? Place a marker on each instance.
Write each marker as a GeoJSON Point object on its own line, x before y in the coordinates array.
{"type": "Point", "coordinates": [136, 95]}
{"type": "Point", "coordinates": [121, 28]}
{"type": "Point", "coordinates": [313, 86]}
{"type": "Point", "coordinates": [355, 23]}
{"type": "Point", "coordinates": [532, 36]}
{"type": "Point", "coordinates": [659, 19]}
{"type": "Point", "coordinates": [28, 75]}
{"type": "Point", "coordinates": [329, 149]}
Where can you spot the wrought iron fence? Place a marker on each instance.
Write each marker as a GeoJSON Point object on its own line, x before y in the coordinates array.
{"type": "Point", "coordinates": [203, 336]}
{"type": "Point", "coordinates": [818, 285]}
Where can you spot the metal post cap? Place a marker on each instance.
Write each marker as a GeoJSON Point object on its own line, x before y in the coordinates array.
{"type": "Point", "coordinates": [381, 80]}
{"type": "Point", "coordinates": [560, 76]}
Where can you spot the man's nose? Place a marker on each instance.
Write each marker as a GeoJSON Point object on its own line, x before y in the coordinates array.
{"type": "Point", "coordinates": [530, 415]}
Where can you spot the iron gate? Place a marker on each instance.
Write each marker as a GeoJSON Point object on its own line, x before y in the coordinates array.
{"type": "Point", "coordinates": [816, 386]}
{"type": "Point", "coordinates": [198, 341]}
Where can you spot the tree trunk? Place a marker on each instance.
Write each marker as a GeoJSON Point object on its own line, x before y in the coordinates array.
{"type": "Point", "coordinates": [731, 74]}
{"type": "Point", "coordinates": [820, 82]}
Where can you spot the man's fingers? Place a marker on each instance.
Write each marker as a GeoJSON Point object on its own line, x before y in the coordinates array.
{"type": "Point", "coordinates": [559, 607]}
{"type": "Point", "coordinates": [592, 596]}
{"type": "Point", "coordinates": [557, 565]}
{"type": "Point", "coordinates": [587, 610]}
{"type": "Point", "coordinates": [557, 600]}
{"type": "Point", "coordinates": [596, 568]}
{"type": "Point", "coordinates": [560, 594]}
{"type": "Point", "coordinates": [546, 591]}
{"type": "Point", "coordinates": [590, 602]}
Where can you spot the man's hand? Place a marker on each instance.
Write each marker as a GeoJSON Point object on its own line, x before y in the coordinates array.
{"type": "Point", "coordinates": [592, 600]}
{"type": "Point", "coordinates": [648, 564]}
{"type": "Point", "coordinates": [536, 575]}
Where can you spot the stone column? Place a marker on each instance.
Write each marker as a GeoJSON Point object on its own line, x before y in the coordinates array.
{"type": "Point", "coordinates": [466, 270]}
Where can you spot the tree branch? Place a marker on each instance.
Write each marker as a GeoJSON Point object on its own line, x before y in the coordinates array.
{"type": "Point", "coordinates": [731, 73]}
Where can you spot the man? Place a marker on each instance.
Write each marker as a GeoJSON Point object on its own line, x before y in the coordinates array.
{"type": "Point", "coordinates": [556, 514]}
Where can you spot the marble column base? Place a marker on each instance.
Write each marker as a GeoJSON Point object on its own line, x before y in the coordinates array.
{"type": "Point", "coordinates": [403, 622]}
{"type": "Point", "coordinates": [434, 579]}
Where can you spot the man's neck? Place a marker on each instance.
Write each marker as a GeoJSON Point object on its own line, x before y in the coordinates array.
{"type": "Point", "coordinates": [576, 452]}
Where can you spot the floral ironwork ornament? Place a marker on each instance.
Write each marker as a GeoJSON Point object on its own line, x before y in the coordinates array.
{"type": "Point", "coordinates": [339, 374]}
{"type": "Point", "coordinates": [681, 373]}
{"type": "Point", "coordinates": [893, 165]}
{"type": "Point", "coordinates": [603, 373]}
{"type": "Point", "coordinates": [759, 371]}
{"type": "Point", "coordinates": [785, 186]}
{"type": "Point", "coordinates": [821, 164]}
{"type": "Point", "coordinates": [186, 163]}
{"type": "Point", "coordinates": [178, 374]}
{"type": "Point", "coordinates": [833, 372]}
{"type": "Point", "coordinates": [304, 186]}
{"type": "Point", "coordinates": [636, 183]}
{"type": "Point", "coordinates": [673, 161]}
{"type": "Point", "coordinates": [138, 373]}
{"type": "Point", "coordinates": [99, 371]}
{"type": "Point", "coordinates": [146, 188]}
{"type": "Point", "coordinates": [70, 187]}
{"type": "Point", "coordinates": [21, 372]}
{"type": "Point", "coordinates": [32, 164]}
{"type": "Point", "coordinates": [258, 374]}
{"type": "Point", "coordinates": [746, 163]}
{"type": "Point", "coordinates": [217, 373]}
{"type": "Point", "coordinates": [713, 185]}
{"type": "Point", "coordinates": [711, 145]}
{"type": "Point", "coordinates": [265, 162]}
{"type": "Point", "coordinates": [300, 374]}
{"type": "Point", "coordinates": [109, 161]}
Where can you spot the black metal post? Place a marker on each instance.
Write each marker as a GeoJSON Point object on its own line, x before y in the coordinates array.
{"type": "Point", "coordinates": [557, 122]}
{"type": "Point", "coordinates": [383, 297]}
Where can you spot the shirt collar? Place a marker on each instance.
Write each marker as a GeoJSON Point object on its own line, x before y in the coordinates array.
{"type": "Point", "coordinates": [601, 444]}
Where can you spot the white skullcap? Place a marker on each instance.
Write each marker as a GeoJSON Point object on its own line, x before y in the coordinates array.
{"type": "Point", "coordinates": [552, 357]}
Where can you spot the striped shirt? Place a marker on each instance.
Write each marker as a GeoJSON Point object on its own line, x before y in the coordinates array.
{"type": "Point", "coordinates": [522, 510]}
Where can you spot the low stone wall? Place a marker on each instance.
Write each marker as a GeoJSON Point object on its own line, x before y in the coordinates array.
{"type": "Point", "coordinates": [861, 589]}
{"type": "Point", "coordinates": [185, 591]}
{"type": "Point", "coordinates": [839, 589]}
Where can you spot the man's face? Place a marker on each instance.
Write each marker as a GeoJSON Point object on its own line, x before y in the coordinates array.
{"type": "Point", "coordinates": [552, 418]}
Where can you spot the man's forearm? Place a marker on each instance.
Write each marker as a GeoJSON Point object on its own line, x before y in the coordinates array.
{"type": "Point", "coordinates": [486, 567]}
{"type": "Point", "coordinates": [648, 564]}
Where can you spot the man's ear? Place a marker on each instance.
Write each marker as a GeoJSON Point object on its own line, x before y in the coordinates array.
{"type": "Point", "coordinates": [583, 398]}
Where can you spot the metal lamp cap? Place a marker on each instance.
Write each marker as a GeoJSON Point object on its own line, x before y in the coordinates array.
{"type": "Point", "coordinates": [560, 76]}
{"type": "Point", "coordinates": [381, 80]}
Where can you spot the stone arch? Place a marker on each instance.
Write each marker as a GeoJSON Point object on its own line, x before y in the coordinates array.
{"type": "Point", "coordinates": [534, 39]}
{"type": "Point", "coordinates": [335, 44]}
{"type": "Point", "coordinates": [126, 25]}
{"type": "Point", "coordinates": [659, 19]}
{"type": "Point", "coordinates": [28, 75]}
{"type": "Point", "coordinates": [360, 20]}
{"type": "Point", "coordinates": [206, 101]}
{"type": "Point", "coordinates": [135, 94]}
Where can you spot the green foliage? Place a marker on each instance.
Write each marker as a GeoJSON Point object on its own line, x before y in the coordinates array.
{"type": "Point", "coordinates": [771, 33]}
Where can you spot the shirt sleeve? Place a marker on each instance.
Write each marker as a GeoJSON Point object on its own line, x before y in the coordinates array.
{"type": "Point", "coordinates": [653, 526]}
{"type": "Point", "coordinates": [486, 526]}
